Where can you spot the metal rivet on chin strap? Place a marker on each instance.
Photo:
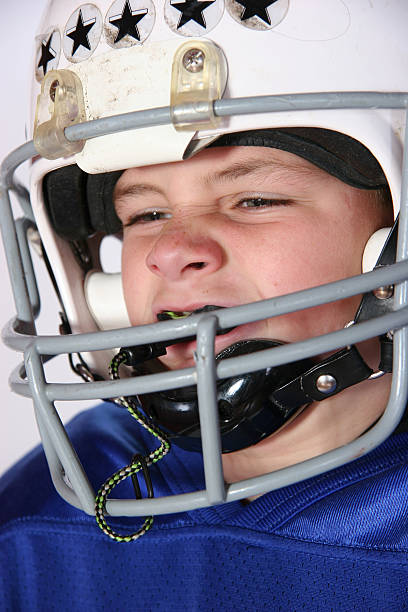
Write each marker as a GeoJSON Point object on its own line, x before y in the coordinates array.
{"type": "Point", "coordinates": [326, 383]}
{"type": "Point", "coordinates": [383, 293]}
{"type": "Point", "coordinates": [193, 60]}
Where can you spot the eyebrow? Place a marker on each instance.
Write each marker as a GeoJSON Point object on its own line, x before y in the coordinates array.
{"type": "Point", "coordinates": [134, 190]}
{"type": "Point", "coordinates": [256, 166]}
{"type": "Point", "coordinates": [231, 173]}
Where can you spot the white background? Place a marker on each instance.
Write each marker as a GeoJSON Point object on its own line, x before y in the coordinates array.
{"type": "Point", "coordinates": [18, 430]}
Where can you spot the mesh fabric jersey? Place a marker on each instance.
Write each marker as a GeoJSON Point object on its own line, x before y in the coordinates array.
{"type": "Point", "coordinates": [335, 542]}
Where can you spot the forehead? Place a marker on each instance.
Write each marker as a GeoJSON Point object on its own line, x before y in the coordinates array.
{"type": "Point", "coordinates": [228, 163]}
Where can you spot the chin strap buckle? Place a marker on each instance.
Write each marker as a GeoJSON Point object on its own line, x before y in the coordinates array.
{"type": "Point", "coordinates": [339, 371]}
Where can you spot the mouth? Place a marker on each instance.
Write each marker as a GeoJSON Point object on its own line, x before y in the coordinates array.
{"type": "Point", "coordinates": [181, 352]}
{"type": "Point", "coordinates": [175, 315]}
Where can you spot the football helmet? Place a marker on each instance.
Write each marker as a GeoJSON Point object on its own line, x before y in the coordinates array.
{"type": "Point", "coordinates": [131, 83]}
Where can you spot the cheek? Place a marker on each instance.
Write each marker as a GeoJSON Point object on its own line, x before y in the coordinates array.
{"type": "Point", "coordinates": [135, 287]}
{"type": "Point", "coordinates": [285, 259]}
{"type": "Point", "coordinates": [301, 256]}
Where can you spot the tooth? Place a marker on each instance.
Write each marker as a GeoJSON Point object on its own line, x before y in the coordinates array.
{"type": "Point", "coordinates": [172, 314]}
{"type": "Point", "coordinates": [165, 315]}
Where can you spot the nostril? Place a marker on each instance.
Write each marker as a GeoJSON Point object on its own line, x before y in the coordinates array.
{"type": "Point", "coordinates": [197, 265]}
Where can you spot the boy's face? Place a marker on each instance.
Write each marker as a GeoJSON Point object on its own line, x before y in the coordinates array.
{"type": "Point", "coordinates": [235, 225]}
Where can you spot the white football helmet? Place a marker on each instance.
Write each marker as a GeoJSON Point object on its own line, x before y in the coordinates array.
{"type": "Point", "coordinates": [137, 82]}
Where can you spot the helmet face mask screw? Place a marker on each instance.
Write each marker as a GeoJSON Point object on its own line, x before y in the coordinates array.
{"type": "Point", "coordinates": [53, 89]}
{"type": "Point", "coordinates": [326, 383]}
{"type": "Point", "coordinates": [193, 60]}
{"type": "Point", "coordinates": [383, 293]}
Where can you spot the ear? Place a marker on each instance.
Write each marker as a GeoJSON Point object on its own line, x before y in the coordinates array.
{"type": "Point", "coordinates": [373, 248]}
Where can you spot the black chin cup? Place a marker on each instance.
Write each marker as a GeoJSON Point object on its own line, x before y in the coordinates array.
{"type": "Point", "coordinates": [247, 411]}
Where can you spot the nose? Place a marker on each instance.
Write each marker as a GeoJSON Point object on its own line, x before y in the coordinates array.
{"type": "Point", "coordinates": [179, 254]}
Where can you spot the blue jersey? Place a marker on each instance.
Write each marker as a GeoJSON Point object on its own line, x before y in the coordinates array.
{"type": "Point", "coordinates": [335, 542]}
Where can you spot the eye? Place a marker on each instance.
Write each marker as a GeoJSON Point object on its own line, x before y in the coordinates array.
{"type": "Point", "coordinates": [257, 202]}
{"type": "Point", "coordinates": [147, 217]}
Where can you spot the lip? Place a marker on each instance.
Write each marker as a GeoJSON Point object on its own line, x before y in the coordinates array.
{"type": "Point", "coordinates": [183, 352]}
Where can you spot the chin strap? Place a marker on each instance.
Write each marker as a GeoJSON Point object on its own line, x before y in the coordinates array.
{"type": "Point", "coordinates": [339, 371]}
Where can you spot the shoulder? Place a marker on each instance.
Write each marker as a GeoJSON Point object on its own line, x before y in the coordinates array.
{"type": "Point", "coordinates": [362, 504]}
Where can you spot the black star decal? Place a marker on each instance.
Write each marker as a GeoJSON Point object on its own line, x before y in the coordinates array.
{"type": "Point", "coordinates": [256, 7]}
{"type": "Point", "coordinates": [46, 54]}
{"type": "Point", "coordinates": [80, 33]}
{"type": "Point", "coordinates": [127, 24]}
{"type": "Point", "coordinates": [192, 10]}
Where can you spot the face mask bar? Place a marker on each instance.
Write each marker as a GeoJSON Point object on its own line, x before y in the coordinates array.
{"type": "Point", "coordinates": [29, 378]}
